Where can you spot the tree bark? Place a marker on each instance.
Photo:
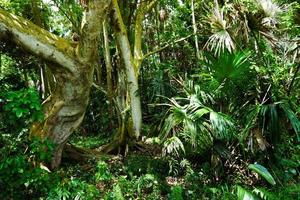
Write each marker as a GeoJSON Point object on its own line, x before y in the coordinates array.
{"type": "Point", "coordinates": [72, 68]}
{"type": "Point", "coordinates": [108, 71]}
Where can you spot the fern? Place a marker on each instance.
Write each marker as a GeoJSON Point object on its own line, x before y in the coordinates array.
{"type": "Point", "coordinates": [117, 193]}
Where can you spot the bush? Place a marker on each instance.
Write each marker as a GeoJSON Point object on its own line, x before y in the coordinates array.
{"type": "Point", "coordinates": [22, 172]}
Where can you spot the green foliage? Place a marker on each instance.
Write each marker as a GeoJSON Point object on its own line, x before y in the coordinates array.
{"type": "Point", "coordinates": [94, 123]}
{"type": "Point", "coordinates": [137, 165]}
{"type": "Point", "coordinates": [68, 17]}
{"type": "Point", "coordinates": [147, 183]}
{"type": "Point", "coordinates": [264, 194]}
{"type": "Point", "coordinates": [244, 194]}
{"type": "Point", "coordinates": [195, 124]}
{"type": "Point", "coordinates": [176, 193]}
{"type": "Point", "coordinates": [144, 187]}
{"type": "Point", "coordinates": [238, 103]}
{"type": "Point", "coordinates": [74, 189]}
{"type": "Point", "coordinates": [102, 172]}
{"type": "Point", "coordinates": [22, 168]}
{"type": "Point", "coordinates": [21, 108]}
{"type": "Point", "coordinates": [256, 194]}
{"type": "Point", "coordinates": [115, 194]}
{"type": "Point", "coordinates": [295, 122]}
{"type": "Point", "coordinates": [230, 70]}
{"type": "Point", "coordinates": [172, 146]}
{"type": "Point", "coordinates": [270, 118]}
{"type": "Point", "coordinates": [24, 104]}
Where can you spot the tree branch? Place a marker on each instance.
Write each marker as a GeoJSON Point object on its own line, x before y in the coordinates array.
{"type": "Point", "coordinates": [167, 45]}
{"type": "Point", "coordinates": [36, 40]}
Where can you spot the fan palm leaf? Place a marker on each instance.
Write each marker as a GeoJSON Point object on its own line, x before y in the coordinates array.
{"type": "Point", "coordinates": [229, 68]}
{"type": "Point", "coordinates": [220, 40]}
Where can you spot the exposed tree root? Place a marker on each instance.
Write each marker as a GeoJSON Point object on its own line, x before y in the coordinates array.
{"type": "Point", "coordinates": [115, 147]}
{"type": "Point", "coordinates": [80, 154]}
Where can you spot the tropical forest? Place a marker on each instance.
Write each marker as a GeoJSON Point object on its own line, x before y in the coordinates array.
{"type": "Point", "coordinates": [149, 99]}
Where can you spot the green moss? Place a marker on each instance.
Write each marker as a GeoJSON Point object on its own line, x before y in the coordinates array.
{"type": "Point", "coordinates": [22, 25]}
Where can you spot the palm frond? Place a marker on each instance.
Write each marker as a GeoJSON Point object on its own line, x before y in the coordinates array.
{"type": "Point", "coordinates": [244, 194]}
{"type": "Point", "coordinates": [222, 127]}
{"type": "Point", "coordinates": [271, 12]}
{"type": "Point", "coordinates": [219, 42]}
{"type": "Point", "coordinates": [295, 122]}
{"type": "Point", "coordinates": [173, 145]}
{"type": "Point", "coordinates": [251, 119]}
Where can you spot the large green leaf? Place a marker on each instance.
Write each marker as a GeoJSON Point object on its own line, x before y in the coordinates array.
{"type": "Point", "coordinates": [261, 170]}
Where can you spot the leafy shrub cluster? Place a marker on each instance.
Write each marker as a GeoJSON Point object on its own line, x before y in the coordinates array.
{"type": "Point", "coordinates": [20, 108]}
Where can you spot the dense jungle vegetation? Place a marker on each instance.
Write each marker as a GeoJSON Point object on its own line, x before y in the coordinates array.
{"type": "Point", "coordinates": [150, 99]}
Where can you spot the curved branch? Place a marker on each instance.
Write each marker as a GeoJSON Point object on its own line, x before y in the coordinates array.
{"type": "Point", "coordinates": [37, 41]}
{"type": "Point", "coordinates": [167, 45]}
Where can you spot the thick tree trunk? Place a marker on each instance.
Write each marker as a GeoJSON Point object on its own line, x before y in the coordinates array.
{"type": "Point", "coordinates": [64, 110]}
{"type": "Point", "coordinates": [72, 68]}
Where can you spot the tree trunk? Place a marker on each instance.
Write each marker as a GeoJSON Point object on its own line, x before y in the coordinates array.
{"type": "Point", "coordinates": [72, 68]}
{"type": "Point", "coordinates": [131, 70]}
